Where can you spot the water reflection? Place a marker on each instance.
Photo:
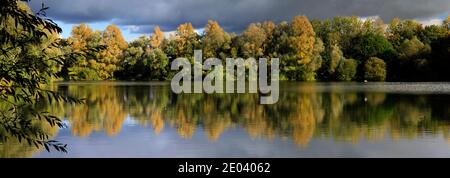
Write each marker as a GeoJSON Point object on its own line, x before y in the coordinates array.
{"type": "Point", "coordinates": [301, 114]}
{"type": "Point", "coordinates": [304, 112]}
{"type": "Point", "coordinates": [11, 146]}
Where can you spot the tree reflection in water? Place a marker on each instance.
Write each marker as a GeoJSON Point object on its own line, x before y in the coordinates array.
{"type": "Point", "coordinates": [301, 114]}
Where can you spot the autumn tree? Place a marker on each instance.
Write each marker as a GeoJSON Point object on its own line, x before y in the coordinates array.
{"type": "Point", "coordinates": [320, 49]}
{"type": "Point", "coordinates": [112, 55]}
{"type": "Point", "coordinates": [82, 39]}
{"type": "Point", "coordinates": [256, 38]}
{"type": "Point", "coordinates": [253, 39]}
{"type": "Point", "coordinates": [80, 36]}
{"type": "Point", "coordinates": [341, 30]}
{"type": "Point", "coordinates": [183, 43]}
{"type": "Point", "coordinates": [157, 39]}
{"type": "Point", "coordinates": [215, 41]}
{"type": "Point", "coordinates": [302, 39]}
{"type": "Point", "coordinates": [298, 48]}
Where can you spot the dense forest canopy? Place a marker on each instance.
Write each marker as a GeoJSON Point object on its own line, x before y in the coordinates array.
{"type": "Point", "coordinates": [337, 49]}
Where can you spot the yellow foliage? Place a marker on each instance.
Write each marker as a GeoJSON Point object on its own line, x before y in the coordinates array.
{"type": "Point", "coordinates": [157, 38]}
{"type": "Point", "coordinates": [303, 39]}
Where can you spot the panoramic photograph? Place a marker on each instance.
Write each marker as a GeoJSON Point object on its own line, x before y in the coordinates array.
{"type": "Point", "coordinates": [225, 79]}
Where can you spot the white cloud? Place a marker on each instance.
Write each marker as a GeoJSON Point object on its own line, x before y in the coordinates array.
{"type": "Point", "coordinates": [433, 21]}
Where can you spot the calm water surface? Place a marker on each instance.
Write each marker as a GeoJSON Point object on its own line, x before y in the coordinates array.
{"type": "Point", "coordinates": [130, 119]}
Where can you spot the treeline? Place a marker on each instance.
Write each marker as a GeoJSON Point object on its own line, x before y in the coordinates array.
{"type": "Point", "coordinates": [338, 49]}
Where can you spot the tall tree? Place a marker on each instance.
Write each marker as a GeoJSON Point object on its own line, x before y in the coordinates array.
{"type": "Point", "coordinates": [256, 39]}
{"type": "Point", "coordinates": [302, 39]}
{"type": "Point", "coordinates": [83, 39]}
{"type": "Point", "coordinates": [216, 42]}
{"type": "Point", "coordinates": [80, 37]}
{"type": "Point", "coordinates": [157, 39]}
{"type": "Point", "coordinates": [142, 62]}
{"type": "Point", "coordinates": [371, 45]}
{"type": "Point", "coordinates": [112, 55]}
{"type": "Point", "coordinates": [253, 39]}
{"type": "Point", "coordinates": [346, 70]}
{"type": "Point", "coordinates": [298, 48]}
{"type": "Point", "coordinates": [336, 56]}
{"type": "Point", "coordinates": [375, 69]}
{"type": "Point", "coordinates": [184, 42]}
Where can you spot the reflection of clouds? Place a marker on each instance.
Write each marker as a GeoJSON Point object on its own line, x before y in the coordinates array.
{"type": "Point", "coordinates": [139, 141]}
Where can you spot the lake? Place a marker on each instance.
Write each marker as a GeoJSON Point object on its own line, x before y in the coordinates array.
{"type": "Point", "coordinates": [145, 119]}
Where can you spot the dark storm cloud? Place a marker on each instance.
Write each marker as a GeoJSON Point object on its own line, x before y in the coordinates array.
{"type": "Point", "coordinates": [233, 15]}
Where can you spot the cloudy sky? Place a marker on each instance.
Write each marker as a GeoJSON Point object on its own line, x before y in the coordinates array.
{"type": "Point", "coordinates": [137, 17]}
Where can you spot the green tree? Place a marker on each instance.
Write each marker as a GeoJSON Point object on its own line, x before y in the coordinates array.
{"type": "Point", "coordinates": [433, 33]}
{"type": "Point", "coordinates": [132, 64]}
{"type": "Point", "coordinates": [399, 31]}
{"type": "Point", "coordinates": [340, 31]}
{"type": "Point", "coordinates": [414, 48]}
{"type": "Point", "coordinates": [279, 43]}
{"type": "Point", "coordinates": [375, 69]}
{"type": "Point", "coordinates": [336, 56]}
{"type": "Point", "coordinates": [347, 70]}
{"type": "Point", "coordinates": [371, 45]}
{"type": "Point", "coordinates": [142, 62]}
{"type": "Point", "coordinates": [27, 52]}
{"type": "Point", "coordinates": [300, 57]}
{"type": "Point", "coordinates": [183, 43]}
